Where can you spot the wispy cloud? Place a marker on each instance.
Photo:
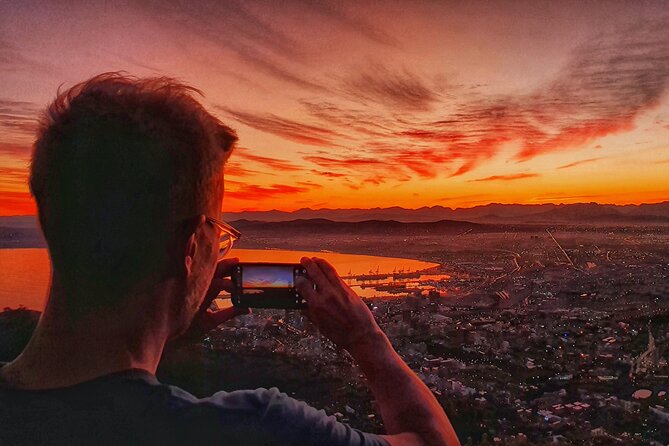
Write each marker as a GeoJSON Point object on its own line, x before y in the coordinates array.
{"type": "Point", "coordinates": [336, 11]}
{"type": "Point", "coordinates": [251, 192]}
{"type": "Point", "coordinates": [510, 177]}
{"type": "Point", "coordinates": [607, 83]}
{"type": "Point", "coordinates": [578, 163]}
{"type": "Point", "coordinates": [14, 59]}
{"type": "Point", "coordinates": [17, 150]}
{"type": "Point", "coordinates": [327, 173]}
{"type": "Point", "coordinates": [239, 170]}
{"type": "Point", "coordinates": [376, 180]}
{"type": "Point", "coordinates": [273, 163]}
{"type": "Point", "coordinates": [285, 128]}
{"type": "Point", "coordinates": [310, 184]}
{"type": "Point", "coordinates": [18, 119]}
{"type": "Point", "coordinates": [344, 163]}
{"type": "Point", "coordinates": [232, 26]}
{"type": "Point", "coordinates": [395, 89]}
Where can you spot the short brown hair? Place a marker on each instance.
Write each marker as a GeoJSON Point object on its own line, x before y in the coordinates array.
{"type": "Point", "coordinates": [118, 162]}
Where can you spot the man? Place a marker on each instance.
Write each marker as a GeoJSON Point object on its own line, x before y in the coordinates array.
{"type": "Point", "coordinates": [128, 178]}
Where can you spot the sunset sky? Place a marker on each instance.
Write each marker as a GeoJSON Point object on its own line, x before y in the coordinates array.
{"type": "Point", "coordinates": [367, 104]}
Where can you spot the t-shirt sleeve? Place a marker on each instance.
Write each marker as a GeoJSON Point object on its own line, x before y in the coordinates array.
{"type": "Point", "coordinates": [279, 419]}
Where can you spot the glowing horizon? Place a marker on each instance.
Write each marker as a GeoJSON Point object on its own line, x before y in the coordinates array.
{"type": "Point", "coordinates": [376, 105]}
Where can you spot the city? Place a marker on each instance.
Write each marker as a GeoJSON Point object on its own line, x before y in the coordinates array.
{"type": "Point", "coordinates": [545, 345]}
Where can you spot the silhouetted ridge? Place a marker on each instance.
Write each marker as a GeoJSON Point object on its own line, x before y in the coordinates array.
{"type": "Point", "coordinates": [378, 227]}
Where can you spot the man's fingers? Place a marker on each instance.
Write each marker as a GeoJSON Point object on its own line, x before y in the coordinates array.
{"type": "Point", "coordinates": [309, 314]}
{"type": "Point", "coordinates": [305, 288]}
{"type": "Point", "coordinates": [226, 284]}
{"type": "Point", "coordinates": [224, 267]}
{"type": "Point", "coordinates": [315, 273]}
{"type": "Point", "coordinates": [328, 270]}
{"type": "Point", "coordinates": [217, 285]}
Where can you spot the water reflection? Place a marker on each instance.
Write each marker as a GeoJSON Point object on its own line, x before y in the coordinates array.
{"type": "Point", "coordinates": [393, 286]}
{"type": "Point", "coordinates": [26, 273]}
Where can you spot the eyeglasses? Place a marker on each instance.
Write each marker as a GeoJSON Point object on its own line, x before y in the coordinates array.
{"type": "Point", "coordinates": [228, 236]}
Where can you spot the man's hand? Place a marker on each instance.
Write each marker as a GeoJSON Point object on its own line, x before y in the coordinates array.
{"type": "Point", "coordinates": [410, 412]}
{"type": "Point", "coordinates": [335, 309]}
{"type": "Point", "coordinates": [205, 319]}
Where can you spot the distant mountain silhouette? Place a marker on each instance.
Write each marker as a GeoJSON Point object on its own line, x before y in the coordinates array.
{"type": "Point", "coordinates": [23, 230]}
{"type": "Point", "coordinates": [579, 213]}
{"type": "Point", "coordinates": [369, 227]}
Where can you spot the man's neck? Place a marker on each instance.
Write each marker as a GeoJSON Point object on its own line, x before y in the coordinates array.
{"type": "Point", "coordinates": [62, 354]}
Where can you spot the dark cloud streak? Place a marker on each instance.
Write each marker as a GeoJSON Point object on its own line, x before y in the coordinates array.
{"type": "Point", "coordinates": [578, 163]}
{"type": "Point", "coordinates": [510, 177]}
{"type": "Point", "coordinates": [334, 11]}
{"type": "Point", "coordinates": [273, 163]}
{"type": "Point", "coordinates": [18, 119]}
{"type": "Point", "coordinates": [234, 27]}
{"type": "Point", "coordinates": [399, 89]}
{"type": "Point", "coordinates": [285, 128]}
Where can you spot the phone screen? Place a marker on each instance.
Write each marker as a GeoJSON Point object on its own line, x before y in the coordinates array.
{"type": "Point", "coordinates": [268, 277]}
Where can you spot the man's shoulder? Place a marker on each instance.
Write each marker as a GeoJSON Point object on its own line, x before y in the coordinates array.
{"type": "Point", "coordinates": [136, 405]}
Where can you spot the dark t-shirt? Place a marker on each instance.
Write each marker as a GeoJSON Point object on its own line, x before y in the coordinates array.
{"type": "Point", "coordinates": [132, 407]}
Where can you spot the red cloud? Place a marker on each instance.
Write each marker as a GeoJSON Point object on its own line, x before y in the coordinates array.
{"type": "Point", "coordinates": [604, 87]}
{"type": "Point", "coordinates": [17, 203]}
{"type": "Point", "coordinates": [389, 160]}
{"type": "Point", "coordinates": [575, 136]}
{"type": "Point", "coordinates": [251, 192]}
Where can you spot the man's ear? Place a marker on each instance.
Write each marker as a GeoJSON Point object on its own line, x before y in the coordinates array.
{"type": "Point", "coordinates": [192, 246]}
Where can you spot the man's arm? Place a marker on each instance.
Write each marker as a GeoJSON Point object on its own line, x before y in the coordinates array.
{"type": "Point", "coordinates": [411, 414]}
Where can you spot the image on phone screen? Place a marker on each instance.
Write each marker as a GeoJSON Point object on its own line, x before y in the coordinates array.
{"type": "Point", "coordinates": [268, 277]}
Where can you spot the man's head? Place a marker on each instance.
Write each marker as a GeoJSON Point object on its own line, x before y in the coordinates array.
{"type": "Point", "coordinates": [121, 170]}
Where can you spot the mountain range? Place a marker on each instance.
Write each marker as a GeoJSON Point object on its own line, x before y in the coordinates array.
{"type": "Point", "coordinates": [579, 213]}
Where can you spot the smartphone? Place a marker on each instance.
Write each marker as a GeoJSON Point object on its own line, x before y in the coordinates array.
{"type": "Point", "coordinates": [267, 285]}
